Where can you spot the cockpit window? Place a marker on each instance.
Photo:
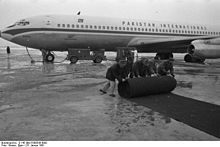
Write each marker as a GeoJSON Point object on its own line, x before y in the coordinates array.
{"type": "Point", "coordinates": [20, 23]}
{"type": "Point", "coordinates": [23, 22]}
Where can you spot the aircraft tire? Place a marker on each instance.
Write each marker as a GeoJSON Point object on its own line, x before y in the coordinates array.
{"type": "Point", "coordinates": [193, 59]}
{"type": "Point", "coordinates": [97, 59]}
{"type": "Point", "coordinates": [188, 58]}
{"type": "Point", "coordinates": [73, 59]}
{"type": "Point", "coordinates": [50, 57]}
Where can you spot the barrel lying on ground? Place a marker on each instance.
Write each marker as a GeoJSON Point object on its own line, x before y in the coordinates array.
{"type": "Point", "coordinates": [137, 87]}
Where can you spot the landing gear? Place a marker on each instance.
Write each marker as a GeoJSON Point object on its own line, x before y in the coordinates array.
{"type": "Point", "coordinates": [193, 59]}
{"type": "Point", "coordinates": [47, 56]}
{"type": "Point", "coordinates": [163, 56]}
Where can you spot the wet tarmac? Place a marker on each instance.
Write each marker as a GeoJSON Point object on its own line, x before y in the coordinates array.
{"type": "Point", "coordinates": [61, 101]}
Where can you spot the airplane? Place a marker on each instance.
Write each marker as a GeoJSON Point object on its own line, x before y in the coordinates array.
{"type": "Point", "coordinates": [62, 32]}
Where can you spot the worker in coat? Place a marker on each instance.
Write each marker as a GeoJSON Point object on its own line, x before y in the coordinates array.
{"type": "Point", "coordinates": [144, 68]}
{"type": "Point", "coordinates": [151, 68]}
{"type": "Point", "coordinates": [118, 72]}
{"type": "Point", "coordinates": [166, 68]}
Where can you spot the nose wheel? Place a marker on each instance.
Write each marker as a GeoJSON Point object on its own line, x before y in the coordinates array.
{"type": "Point", "coordinates": [47, 56]}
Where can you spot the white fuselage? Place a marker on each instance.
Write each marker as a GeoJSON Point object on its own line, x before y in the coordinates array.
{"type": "Point", "coordinates": [60, 32]}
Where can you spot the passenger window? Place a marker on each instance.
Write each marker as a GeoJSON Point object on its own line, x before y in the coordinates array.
{"type": "Point", "coordinates": [103, 27]}
{"type": "Point", "coordinates": [119, 28]}
{"type": "Point", "coordinates": [100, 27]}
{"type": "Point", "coordinates": [68, 25]}
{"type": "Point", "coordinates": [90, 26]}
{"type": "Point", "coordinates": [72, 25]}
{"type": "Point", "coordinates": [107, 27]}
{"type": "Point", "coordinates": [77, 26]}
{"type": "Point", "coordinates": [116, 28]}
{"type": "Point", "coordinates": [82, 26]}
{"type": "Point", "coordinates": [87, 26]}
{"type": "Point", "coordinates": [64, 25]}
{"type": "Point", "coordinates": [58, 25]}
{"type": "Point", "coordinates": [146, 29]}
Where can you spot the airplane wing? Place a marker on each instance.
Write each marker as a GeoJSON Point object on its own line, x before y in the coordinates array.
{"type": "Point", "coordinates": [170, 44]}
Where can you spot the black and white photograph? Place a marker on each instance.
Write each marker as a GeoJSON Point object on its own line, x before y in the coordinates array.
{"type": "Point", "coordinates": [109, 70]}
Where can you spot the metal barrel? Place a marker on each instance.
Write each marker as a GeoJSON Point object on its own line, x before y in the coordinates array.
{"type": "Point", "coordinates": [138, 87]}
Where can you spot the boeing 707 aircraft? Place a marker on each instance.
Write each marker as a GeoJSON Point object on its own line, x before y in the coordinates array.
{"type": "Point", "coordinates": [61, 32]}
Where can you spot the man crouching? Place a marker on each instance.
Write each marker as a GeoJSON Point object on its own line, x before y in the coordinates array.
{"type": "Point", "coordinates": [116, 71]}
{"type": "Point", "coordinates": [165, 68]}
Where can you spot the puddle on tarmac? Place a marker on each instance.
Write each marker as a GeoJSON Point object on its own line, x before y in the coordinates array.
{"type": "Point", "coordinates": [126, 115]}
{"type": "Point", "coordinates": [184, 84]}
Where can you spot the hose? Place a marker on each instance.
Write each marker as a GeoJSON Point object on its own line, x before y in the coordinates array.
{"type": "Point", "coordinates": [33, 61]}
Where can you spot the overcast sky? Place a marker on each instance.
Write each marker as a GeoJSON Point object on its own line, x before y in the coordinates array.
{"type": "Point", "coordinates": [190, 11]}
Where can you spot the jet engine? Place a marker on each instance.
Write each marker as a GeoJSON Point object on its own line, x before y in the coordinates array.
{"type": "Point", "coordinates": [199, 50]}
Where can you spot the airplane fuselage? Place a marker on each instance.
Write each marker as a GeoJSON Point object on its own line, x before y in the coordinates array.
{"type": "Point", "coordinates": [58, 33]}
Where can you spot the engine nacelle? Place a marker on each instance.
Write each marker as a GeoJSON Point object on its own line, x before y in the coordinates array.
{"type": "Point", "coordinates": [206, 49]}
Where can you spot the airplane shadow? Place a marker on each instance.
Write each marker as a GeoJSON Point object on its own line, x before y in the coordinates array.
{"type": "Point", "coordinates": [201, 115]}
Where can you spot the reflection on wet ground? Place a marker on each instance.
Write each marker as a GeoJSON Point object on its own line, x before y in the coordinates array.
{"type": "Point", "coordinates": [27, 87]}
{"type": "Point", "coordinates": [184, 84]}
